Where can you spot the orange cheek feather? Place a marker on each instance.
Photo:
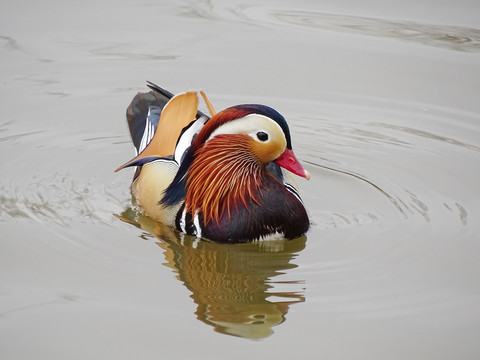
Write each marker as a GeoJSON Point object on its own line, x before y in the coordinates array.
{"type": "Point", "coordinates": [224, 174]}
{"type": "Point", "coordinates": [267, 152]}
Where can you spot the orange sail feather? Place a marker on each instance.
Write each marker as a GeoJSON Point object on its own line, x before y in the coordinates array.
{"type": "Point", "coordinates": [177, 113]}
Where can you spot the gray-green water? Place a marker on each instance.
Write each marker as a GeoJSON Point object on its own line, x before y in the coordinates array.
{"type": "Point", "coordinates": [383, 103]}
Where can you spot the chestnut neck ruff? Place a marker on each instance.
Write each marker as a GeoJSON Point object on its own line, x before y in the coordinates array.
{"type": "Point", "coordinates": [224, 174]}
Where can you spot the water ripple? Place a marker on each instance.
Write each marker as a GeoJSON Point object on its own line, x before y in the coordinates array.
{"type": "Point", "coordinates": [377, 157]}
{"type": "Point", "coordinates": [456, 38]}
{"type": "Point", "coordinates": [60, 199]}
{"type": "Point", "coordinates": [449, 37]}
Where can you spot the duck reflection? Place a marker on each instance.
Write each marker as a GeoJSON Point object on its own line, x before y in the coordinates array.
{"type": "Point", "coordinates": [233, 285]}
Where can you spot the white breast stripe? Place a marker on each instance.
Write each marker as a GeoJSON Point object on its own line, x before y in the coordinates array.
{"type": "Point", "coordinates": [186, 138]}
{"type": "Point", "coordinates": [196, 223]}
{"type": "Point", "coordinates": [182, 221]}
{"type": "Point", "coordinates": [293, 190]}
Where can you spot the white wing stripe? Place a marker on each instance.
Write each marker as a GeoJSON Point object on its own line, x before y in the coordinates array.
{"type": "Point", "coordinates": [147, 134]}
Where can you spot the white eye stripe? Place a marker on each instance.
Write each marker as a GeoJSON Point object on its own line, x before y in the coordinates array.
{"type": "Point", "coordinates": [251, 125]}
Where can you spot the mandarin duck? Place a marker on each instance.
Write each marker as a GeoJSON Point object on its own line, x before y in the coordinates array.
{"type": "Point", "coordinates": [226, 178]}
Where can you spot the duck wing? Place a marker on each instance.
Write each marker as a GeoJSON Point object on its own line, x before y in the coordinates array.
{"type": "Point", "coordinates": [158, 121]}
{"type": "Point", "coordinates": [143, 114]}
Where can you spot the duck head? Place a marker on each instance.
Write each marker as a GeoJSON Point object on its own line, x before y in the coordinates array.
{"type": "Point", "coordinates": [268, 131]}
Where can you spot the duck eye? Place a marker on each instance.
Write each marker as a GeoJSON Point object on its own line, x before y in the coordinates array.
{"type": "Point", "coordinates": [262, 136]}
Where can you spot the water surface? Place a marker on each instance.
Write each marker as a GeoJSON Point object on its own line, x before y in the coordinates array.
{"type": "Point", "coordinates": [382, 100]}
